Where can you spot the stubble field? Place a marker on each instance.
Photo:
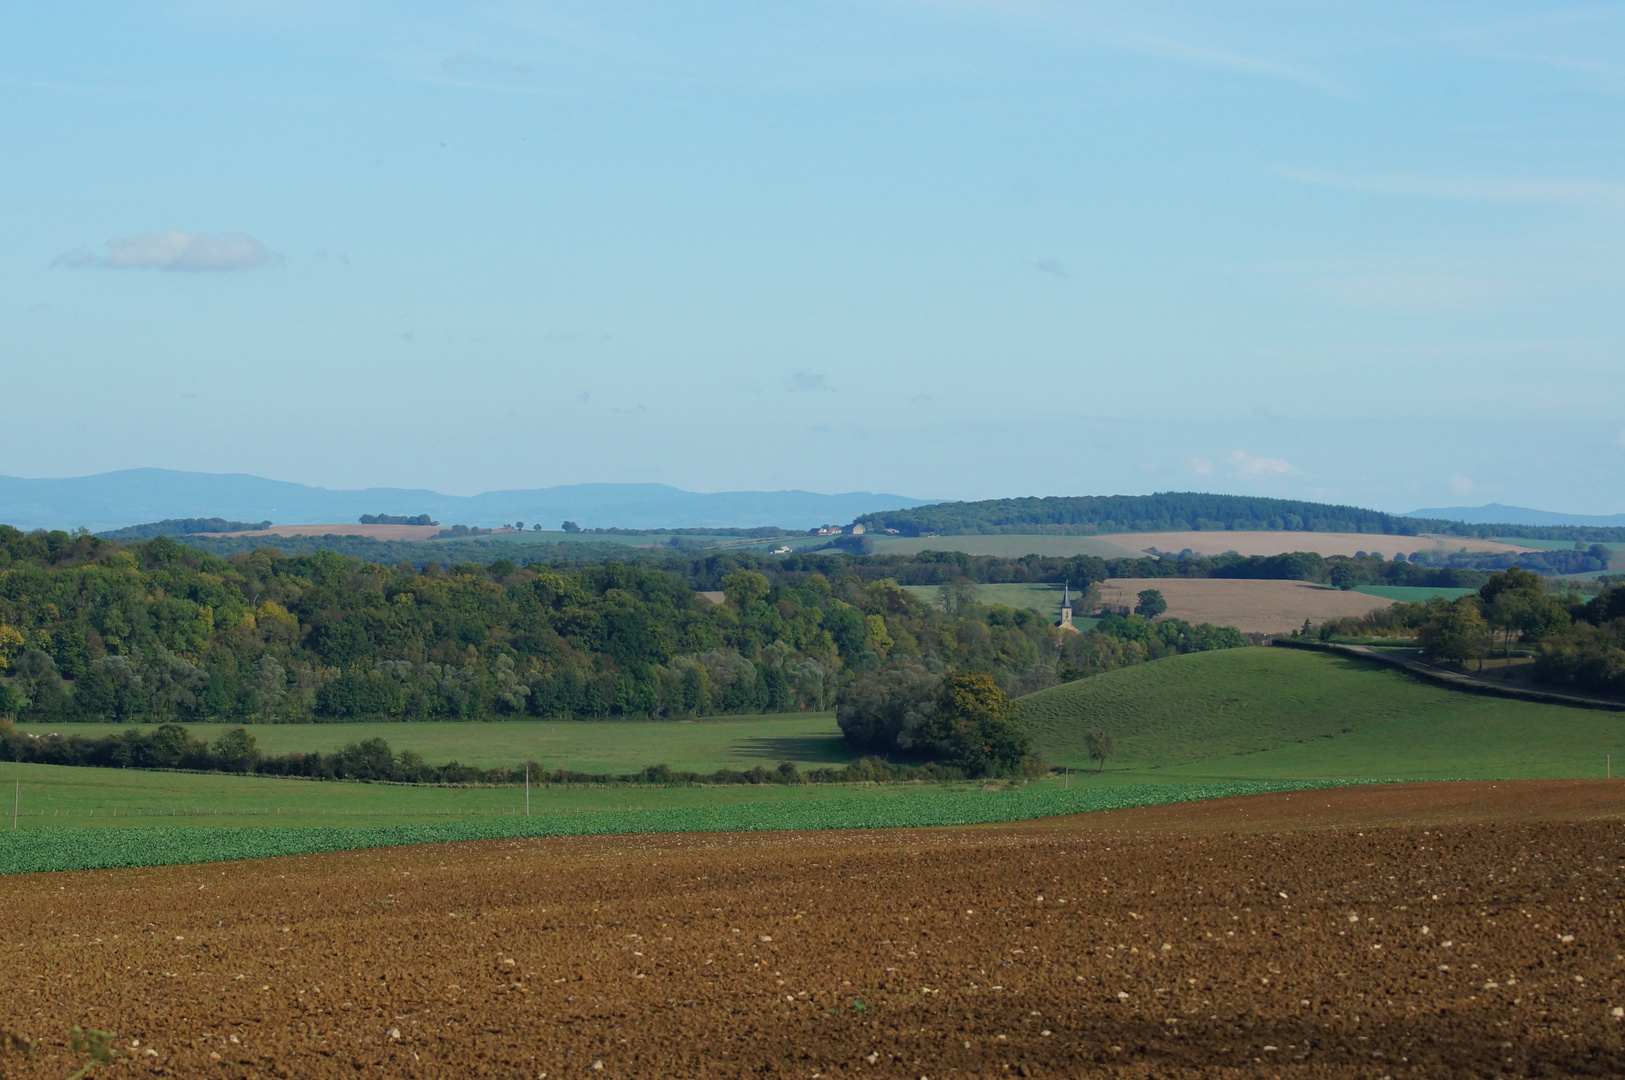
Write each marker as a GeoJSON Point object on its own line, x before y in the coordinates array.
{"type": "Point", "coordinates": [1443, 930]}
{"type": "Point", "coordinates": [1261, 607]}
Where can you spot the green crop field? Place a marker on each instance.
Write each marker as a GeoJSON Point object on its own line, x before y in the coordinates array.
{"type": "Point", "coordinates": [57, 795]}
{"type": "Point", "coordinates": [1266, 713]}
{"type": "Point", "coordinates": [886, 807]}
{"type": "Point", "coordinates": [1188, 727]}
{"type": "Point", "coordinates": [734, 742]}
{"type": "Point", "coordinates": [1009, 547]}
{"type": "Point", "coordinates": [1411, 593]}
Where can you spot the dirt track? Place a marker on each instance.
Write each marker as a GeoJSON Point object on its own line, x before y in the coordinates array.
{"type": "Point", "coordinates": [1140, 943]}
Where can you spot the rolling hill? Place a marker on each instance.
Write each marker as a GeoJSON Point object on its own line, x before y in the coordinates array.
{"type": "Point", "coordinates": [1284, 713]}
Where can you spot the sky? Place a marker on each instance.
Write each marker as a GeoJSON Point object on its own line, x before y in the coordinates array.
{"type": "Point", "coordinates": [943, 248]}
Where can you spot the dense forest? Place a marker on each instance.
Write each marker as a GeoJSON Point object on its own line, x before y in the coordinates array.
{"type": "Point", "coordinates": [158, 631]}
{"type": "Point", "coordinates": [1181, 511]}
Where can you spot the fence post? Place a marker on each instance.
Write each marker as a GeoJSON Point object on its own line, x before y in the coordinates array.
{"type": "Point", "coordinates": [527, 789]}
{"type": "Point", "coordinates": [16, 803]}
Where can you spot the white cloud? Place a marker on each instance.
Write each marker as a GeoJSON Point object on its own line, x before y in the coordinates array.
{"type": "Point", "coordinates": [175, 249]}
{"type": "Point", "coordinates": [1248, 465]}
{"type": "Point", "coordinates": [1460, 484]}
{"type": "Point", "coordinates": [1201, 466]}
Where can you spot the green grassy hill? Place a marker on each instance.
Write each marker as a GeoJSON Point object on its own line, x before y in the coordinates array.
{"type": "Point", "coordinates": [1284, 713]}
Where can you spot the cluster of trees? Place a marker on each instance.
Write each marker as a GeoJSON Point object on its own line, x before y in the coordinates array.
{"type": "Point", "coordinates": [396, 519]}
{"type": "Point", "coordinates": [918, 709]}
{"type": "Point", "coordinates": [1581, 559]}
{"type": "Point", "coordinates": [172, 746]}
{"type": "Point", "coordinates": [161, 632]}
{"type": "Point", "coordinates": [1576, 641]}
{"type": "Point", "coordinates": [939, 567]}
{"type": "Point", "coordinates": [1181, 511]}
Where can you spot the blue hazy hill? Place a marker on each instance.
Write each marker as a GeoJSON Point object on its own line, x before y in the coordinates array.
{"type": "Point", "coordinates": [132, 496]}
{"type": "Point", "coordinates": [1499, 514]}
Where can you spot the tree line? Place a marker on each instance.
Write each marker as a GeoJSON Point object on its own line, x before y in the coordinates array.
{"type": "Point", "coordinates": [174, 747]}
{"type": "Point", "coordinates": [158, 631]}
{"type": "Point", "coordinates": [1173, 511]}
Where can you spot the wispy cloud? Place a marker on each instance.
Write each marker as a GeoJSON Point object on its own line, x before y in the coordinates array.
{"type": "Point", "coordinates": [809, 382]}
{"type": "Point", "coordinates": [1050, 266]}
{"type": "Point", "coordinates": [175, 250]}
{"type": "Point", "coordinates": [1202, 56]}
{"type": "Point", "coordinates": [1248, 465]}
{"type": "Point", "coordinates": [1085, 24]}
{"type": "Point", "coordinates": [1606, 196]}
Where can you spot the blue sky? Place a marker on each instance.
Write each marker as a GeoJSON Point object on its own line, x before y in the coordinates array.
{"type": "Point", "coordinates": [1369, 253]}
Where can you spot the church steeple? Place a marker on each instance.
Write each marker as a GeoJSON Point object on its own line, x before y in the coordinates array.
{"type": "Point", "coordinates": [1066, 608]}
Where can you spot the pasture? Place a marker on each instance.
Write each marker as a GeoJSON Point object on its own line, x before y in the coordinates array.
{"type": "Point", "coordinates": [1218, 542]}
{"type": "Point", "coordinates": [1253, 606]}
{"type": "Point", "coordinates": [722, 742]}
{"type": "Point", "coordinates": [1265, 713]}
{"type": "Point", "coordinates": [1014, 546]}
{"type": "Point", "coordinates": [60, 796]}
{"type": "Point", "coordinates": [1412, 593]}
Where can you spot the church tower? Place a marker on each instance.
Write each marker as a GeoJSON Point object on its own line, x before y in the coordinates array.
{"type": "Point", "coordinates": [1066, 608]}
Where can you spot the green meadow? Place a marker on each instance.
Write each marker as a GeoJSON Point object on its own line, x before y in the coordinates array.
{"type": "Point", "coordinates": [1278, 714]}
{"type": "Point", "coordinates": [1197, 726]}
{"type": "Point", "coordinates": [1411, 593]}
{"type": "Point", "coordinates": [61, 796]}
{"type": "Point", "coordinates": [1008, 546]}
{"type": "Point", "coordinates": [733, 742]}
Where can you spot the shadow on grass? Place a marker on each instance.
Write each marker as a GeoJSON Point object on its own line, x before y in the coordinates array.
{"type": "Point", "coordinates": [817, 749]}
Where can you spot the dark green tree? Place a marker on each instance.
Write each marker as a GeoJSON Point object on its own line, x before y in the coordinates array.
{"type": "Point", "coordinates": [1151, 604]}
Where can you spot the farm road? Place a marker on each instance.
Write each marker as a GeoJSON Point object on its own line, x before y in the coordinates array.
{"type": "Point", "coordinates": [1127, 948]}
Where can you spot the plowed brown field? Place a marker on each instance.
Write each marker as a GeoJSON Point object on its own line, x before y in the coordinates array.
{"type": "Point", "coordinates": [1437, 931]}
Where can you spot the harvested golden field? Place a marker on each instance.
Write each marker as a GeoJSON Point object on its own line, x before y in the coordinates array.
{"type": "Point", "coordinates": [375, 532]}
{"type": "Point", "coordinates": [1277, 543]}
{"type": "Point", "coordinates": [1255, 607]}
{"type": "Point", "coordinates": [1170, 942]}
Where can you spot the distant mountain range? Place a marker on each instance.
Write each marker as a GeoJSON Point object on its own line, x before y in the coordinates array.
{"type": "Point", "coordinates": [132, 496]}
{"type": "Point", "coordinates": [1499, 514]}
